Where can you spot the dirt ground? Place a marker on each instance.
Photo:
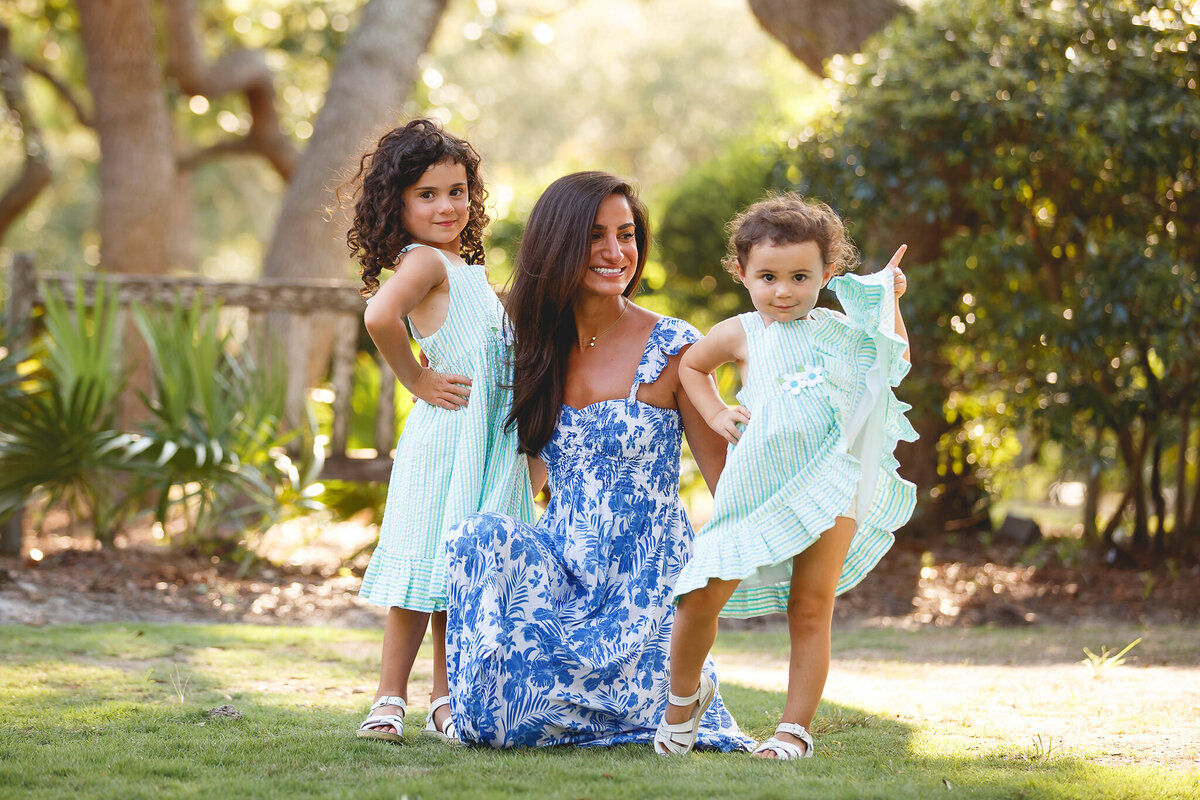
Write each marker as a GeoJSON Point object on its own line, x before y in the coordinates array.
{"type": "Point", "coordinates": [311, 571]}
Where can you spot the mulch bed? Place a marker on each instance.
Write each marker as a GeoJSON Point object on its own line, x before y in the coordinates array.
{"type": "Point", "coordinates": [913, 585]}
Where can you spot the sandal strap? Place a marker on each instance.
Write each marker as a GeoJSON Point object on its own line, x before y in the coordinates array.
{"type": "Point", "coordinates": [448, 729]}
{"type": "Point", "coordinates": [676, 700]}
{"type": "Point", "coordinates": [391, 700]}
{"type": "Point", "coordinates": [797, 730]}
{"type": "Point", "coordinates": [784, 751]}
{"type": "Point", "coordinates": [384, 721]}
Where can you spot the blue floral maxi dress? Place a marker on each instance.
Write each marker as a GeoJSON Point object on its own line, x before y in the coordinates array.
{"type": "Point", "coordinates": [559, 633]}
{"type": "Point", "coordinates": [823, 424]}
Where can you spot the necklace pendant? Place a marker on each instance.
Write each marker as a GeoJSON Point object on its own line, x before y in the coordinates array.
{"type": "Point", "coordinates": [592, 343]}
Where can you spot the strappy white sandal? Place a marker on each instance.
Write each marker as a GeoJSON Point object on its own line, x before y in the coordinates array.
{"type": "Point", "coordinates": [786, 751]}
{"type": "Point", "coordinates": [448, 732]}
{"type": "Point", "coordinates": [372, 727]}
{"type": "Point", "coordinates": [678, 738]}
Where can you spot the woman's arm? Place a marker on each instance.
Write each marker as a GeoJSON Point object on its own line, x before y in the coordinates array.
{"type": "Point", "coordinates": [537, 474]}
{"type": "Point", "coordinates": [707, 446]}
{"type": "Point", "coordinates": [416, 276]}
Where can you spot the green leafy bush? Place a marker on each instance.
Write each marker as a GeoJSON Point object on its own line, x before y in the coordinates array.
{"type": "Point", "coordinates": [1040, 159]}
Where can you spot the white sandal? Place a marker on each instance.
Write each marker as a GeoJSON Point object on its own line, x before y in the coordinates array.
{"type": "Point", "coordinates": [448, 732]}
{"type": "Point", "coordinates": [372, 727]}
{"type": "Point", "coordinates": [678, 738]}
{"type": "Point", "coordinates": [786, 751]}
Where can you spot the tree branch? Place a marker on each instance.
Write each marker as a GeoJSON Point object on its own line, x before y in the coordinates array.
{"type": "Point", "coordinates": [63, 91]}
{"type": "Point", "coordinates": [814, 30]}
{"type": "Point", "coordinates": [35, 174]}
{"type": "Point", "coordinates": [244, 71]}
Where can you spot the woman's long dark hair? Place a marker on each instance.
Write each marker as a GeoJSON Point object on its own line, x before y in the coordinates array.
{"type": "Point", "coordinates": [376, 236]}
{"type": "Point", "coordinates": [550, 266]}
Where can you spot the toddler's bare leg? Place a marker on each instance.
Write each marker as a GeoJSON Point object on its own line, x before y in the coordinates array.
{"type": "Point", "coordinates": [692, 637]}
{"type": "Point", "coordinates": [815, 574]}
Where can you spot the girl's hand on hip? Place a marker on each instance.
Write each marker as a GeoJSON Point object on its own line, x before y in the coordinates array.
{"type": "Point", "coordinates": [442, 390]}
{"type": "Point", "coordinates": [726, 422]}
{"type": "Point", "coordinates": [899, 281]}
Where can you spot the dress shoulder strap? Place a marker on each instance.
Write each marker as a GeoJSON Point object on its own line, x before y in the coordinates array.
{"type": "Point", "coordinates": [437, 250]}
{"type": "Point", "coordinates": [668, 337]}
{"type": "Point", "coordinates": [753, 326]}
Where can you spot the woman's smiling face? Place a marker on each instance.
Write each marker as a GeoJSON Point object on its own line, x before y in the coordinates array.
{"type": "Point", "coordinates": [613, 257]}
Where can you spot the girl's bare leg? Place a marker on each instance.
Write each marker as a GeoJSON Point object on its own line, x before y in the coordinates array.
{"type": "Point", "coordinates": [815, 574]}
{"type": "Point", "coordinates": [402, 635]}
{"type": "Point", "coordinates": [441, 685]}
{"type": "Point", "coordinates": [692, 637]}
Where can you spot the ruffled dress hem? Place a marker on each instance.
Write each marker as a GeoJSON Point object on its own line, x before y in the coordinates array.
{"type": "Point", "coordinates": [392, 580]}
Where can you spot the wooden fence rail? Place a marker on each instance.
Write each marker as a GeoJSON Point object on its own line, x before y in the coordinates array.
{"type": "Point", "coordinates": [294, 300]}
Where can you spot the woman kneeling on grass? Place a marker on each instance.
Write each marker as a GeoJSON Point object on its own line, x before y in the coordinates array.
{"type": "Point", "coordinates": [558, 633]}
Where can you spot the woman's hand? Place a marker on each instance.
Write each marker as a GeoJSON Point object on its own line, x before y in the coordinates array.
{"type": "Point", "coordinates": [726, 422]}
{"type": "Point", "coordinates": [442, 390]}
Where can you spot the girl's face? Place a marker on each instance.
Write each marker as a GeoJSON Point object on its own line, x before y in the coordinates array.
{"type": "Point", "coordinates": [436, 206]}
{"type": "Point", "coordinates": [614, 254]}
{"type": "Point", "coordinates": [785, 280]}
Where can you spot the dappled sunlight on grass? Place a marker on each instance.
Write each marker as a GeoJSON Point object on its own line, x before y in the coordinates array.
{"type": "Point", "coordinates": [123, 710]}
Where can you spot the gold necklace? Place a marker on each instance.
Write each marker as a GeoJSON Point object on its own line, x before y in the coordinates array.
{"type": "Point", "coordinates": [592, 343]}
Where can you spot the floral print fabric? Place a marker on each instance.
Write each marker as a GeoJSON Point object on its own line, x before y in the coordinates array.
{"type": "Point", "coordinates": [559, 633]}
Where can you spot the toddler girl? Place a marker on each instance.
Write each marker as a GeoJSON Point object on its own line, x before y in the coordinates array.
{"type": "Point", "coordinates": [809, 497]}
{"type": "Point", "coordinates": [420, 212]}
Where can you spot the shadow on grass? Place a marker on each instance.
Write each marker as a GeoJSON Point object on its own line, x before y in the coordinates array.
{"type": "Point", "coordinates": [93, 712]}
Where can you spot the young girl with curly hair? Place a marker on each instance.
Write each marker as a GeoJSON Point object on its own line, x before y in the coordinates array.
{"type": "Point", "coordinates": [420, 213]}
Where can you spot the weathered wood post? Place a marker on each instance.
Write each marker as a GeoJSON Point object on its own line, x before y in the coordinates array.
{"type": "Point", "coordinates": [22, 292]}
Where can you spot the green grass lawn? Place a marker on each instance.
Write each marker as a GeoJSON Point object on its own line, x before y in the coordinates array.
{"type": "Point", "coordinates": [118, 710]}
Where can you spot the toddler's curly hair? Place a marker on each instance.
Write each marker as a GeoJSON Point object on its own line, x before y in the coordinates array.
{"type": "Point", "coordinates": [789, 218]}
{"type": "Point", "coordinates": [401, 157]}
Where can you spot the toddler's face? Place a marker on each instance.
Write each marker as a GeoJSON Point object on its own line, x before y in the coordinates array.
{"type": "Point", "coordinates": [785, 280]}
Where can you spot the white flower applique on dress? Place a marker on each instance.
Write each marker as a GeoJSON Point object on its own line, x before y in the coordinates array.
{"type": "Point", "coordinates": [807, 377]}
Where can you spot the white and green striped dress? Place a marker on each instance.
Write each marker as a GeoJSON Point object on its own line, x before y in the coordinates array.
{"type": "Point", "coordinates": [450, 463]}
{"type": "Point", "coordinates": [823, 425]}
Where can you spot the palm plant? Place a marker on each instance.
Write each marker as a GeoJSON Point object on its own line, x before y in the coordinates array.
{"type": "Point", "coordinates": [57, 412]}
{"type": "Point", "coordinates": [216, 439]}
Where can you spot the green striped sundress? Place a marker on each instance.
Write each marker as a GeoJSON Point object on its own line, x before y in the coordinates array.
{"type": "Point", "coordinates": [823, 425]}
{"type": "Point", "coordinates": [450, 463]}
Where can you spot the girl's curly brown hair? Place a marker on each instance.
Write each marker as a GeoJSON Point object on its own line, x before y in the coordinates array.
{"type": "Point", "coordinates": [401, 157]}
{"type": "Point", "coordinates": [790, 219]}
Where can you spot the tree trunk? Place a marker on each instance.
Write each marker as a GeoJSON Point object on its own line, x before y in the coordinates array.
{"type": "Point", "coordinates": [137, 166]}
{"type": "Point", "coordinates": [137, 162]}
{"type": "Point", "coordinates": [367, 91]}
{"type": "Point", "coordinates": [1157, 495]}
{"type": "Point", "coordinates": [1134, 455]}
{"type": "Point", "coordinates": [1193, 517]}
{"type": "Point", "coordinates": [1091, 504]}
{"type": "Point", "coordinates": [814, 30]}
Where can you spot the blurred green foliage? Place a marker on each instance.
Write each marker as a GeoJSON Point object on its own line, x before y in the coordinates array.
{"type": "Point", "coordinates": [1041, 161]}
